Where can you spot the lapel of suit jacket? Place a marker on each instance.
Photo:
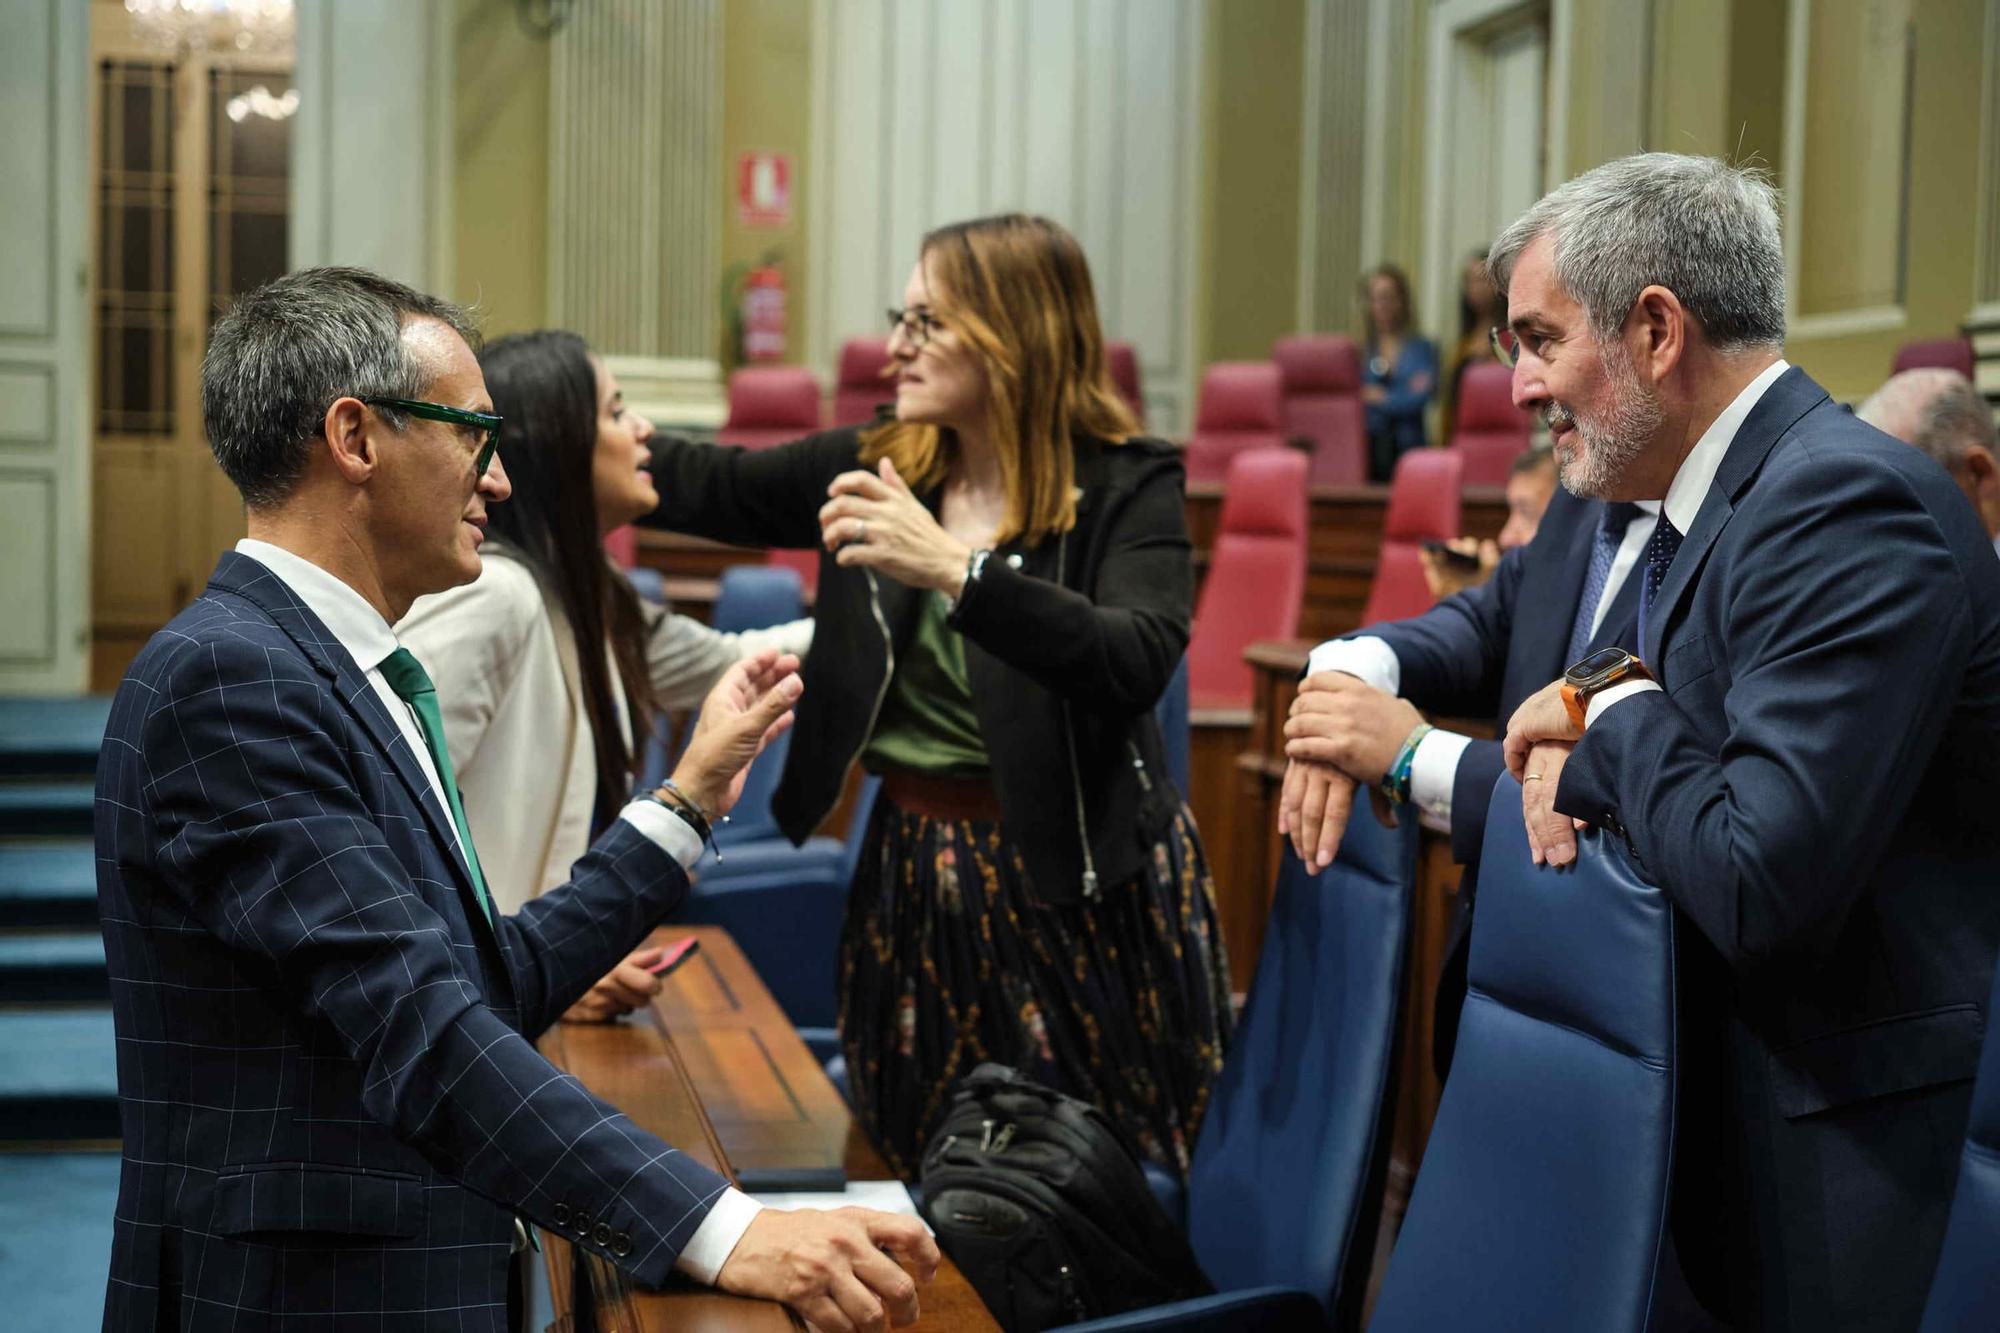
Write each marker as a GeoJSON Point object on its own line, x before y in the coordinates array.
{"type": "Point", "coordinates": [1791, 396]}
{"type": "Point", "coordinates": [1545, 621]}
{"type": "Point", "coordinates": [247, 578]}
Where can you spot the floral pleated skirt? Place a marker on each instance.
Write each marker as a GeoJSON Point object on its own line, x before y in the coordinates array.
{"type": "Point", "coordinates": [949, 958]}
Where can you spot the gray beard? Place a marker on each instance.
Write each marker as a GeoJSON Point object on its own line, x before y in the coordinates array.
{"type": "Point", "coordinates": [1603, 450]}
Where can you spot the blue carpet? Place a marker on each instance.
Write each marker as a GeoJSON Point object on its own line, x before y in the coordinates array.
{"type": "Point", "coordinates": [52, 966]}
{"type": "Point", "coordinates": [46, 809]}
{"type": "Point", "coordinates": [51, 882]}
{"type": "Point", "coordinates": [58, 1075]}
{"type": "Point", "coordinates": [51, 737]}
{"type": "Point", "coordinates": [55, 1237]}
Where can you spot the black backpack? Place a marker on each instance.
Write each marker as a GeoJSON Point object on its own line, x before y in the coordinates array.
{"type": "Point", "coordinates": [1042, 1205]}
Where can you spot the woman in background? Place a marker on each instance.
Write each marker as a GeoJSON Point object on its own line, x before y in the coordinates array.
{"type": "Point", "coordinates": [549, 669]}
{"type": "Point", "coordinates": [1005, 592]}
{"type": "Point", "coordinates": [1479, 313]}
{"type": "Point", "coordinates": [1399, 373]}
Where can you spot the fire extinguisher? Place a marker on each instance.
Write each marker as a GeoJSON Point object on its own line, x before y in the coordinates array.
{"type": "Point", "coordinates": [760, 313]}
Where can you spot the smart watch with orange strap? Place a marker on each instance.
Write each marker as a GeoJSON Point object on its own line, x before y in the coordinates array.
{"type": "Point", "coordinates": [1596, 673]}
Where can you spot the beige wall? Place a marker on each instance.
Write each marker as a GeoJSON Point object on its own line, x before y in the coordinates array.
{"type": "Point", "coordinates": [500, 138]}
{"type": "Point", "coordinates": [1248, 288]}
{"type": "Point", "coordinates": [767, 107]}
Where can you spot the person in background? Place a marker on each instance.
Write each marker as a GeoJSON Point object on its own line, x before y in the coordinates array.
{"type": "Point", "coordinates": [1479, 313]}
{"type": "Point", "coordinates": [1005, 593]}
{"type": "Point", "coordinates": [549, 668]}
{"type": "Point", "coordinates": [1940, 412]}
{"type": "Point", "coordinates": [1531, 481]}
{"type": "Point", "coordinates": [1399, 372]}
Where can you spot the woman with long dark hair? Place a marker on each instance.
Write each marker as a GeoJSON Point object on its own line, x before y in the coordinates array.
{"type": "Point", "coordinates": [1400, 373]}
{"type": "Point", "coordinates": [548, 667]}
{"type": "Point", "coordinates": [1005, 590]}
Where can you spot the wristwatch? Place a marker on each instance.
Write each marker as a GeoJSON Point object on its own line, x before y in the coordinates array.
{"type": "Point", "coordinates": [1596, 673]}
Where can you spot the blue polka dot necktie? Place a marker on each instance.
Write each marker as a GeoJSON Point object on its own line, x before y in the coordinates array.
{"type": "Point", "coordinates": [1611, 526]}
{"type": "Point", "coordinates": [1659, 555]}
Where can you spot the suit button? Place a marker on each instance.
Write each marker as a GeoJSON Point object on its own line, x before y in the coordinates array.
{"type": "Point", "coordinates": [601, 1234]}
{"type": "Point", "coordinates": [621, 1244]}
{"type": "Point", "coordinates": [561, 1214]}
{"type": "Point", "coordinates": [1014, 560]}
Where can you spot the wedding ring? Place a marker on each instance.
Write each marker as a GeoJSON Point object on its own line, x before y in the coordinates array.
{"type": "Point", "coordinates": [861, 529]}
{"type": "Point", "coordinates": [1532, 777]}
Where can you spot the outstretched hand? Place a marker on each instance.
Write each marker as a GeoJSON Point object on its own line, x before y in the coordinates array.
{"type": "Point", "coordinates": [748, 709]}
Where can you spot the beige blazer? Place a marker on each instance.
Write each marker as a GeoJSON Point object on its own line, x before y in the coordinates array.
{"type": "Point", "coordinates": [504, 662]}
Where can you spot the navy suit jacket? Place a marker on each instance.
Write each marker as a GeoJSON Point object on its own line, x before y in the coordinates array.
{"type": "Point", "coordinates": [329, 1095]}
{"type": "Point", "coordinates": [1815, 792]}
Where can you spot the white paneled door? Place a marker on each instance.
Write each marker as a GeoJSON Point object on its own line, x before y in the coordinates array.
{"type": "Point", "coordinates": [44, 445]}
{"type": "Point", "coordinates": [1087, 111]}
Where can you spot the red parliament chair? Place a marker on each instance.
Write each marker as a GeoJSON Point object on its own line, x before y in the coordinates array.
{"type": "Point", "coordinates": [1935, 353]}
{"type": "Point", "coordinates": [770, 405]}
{"type": "Point", "coordinates": [1122, 359]}
{"type": "Point", "coordinates": [1256, 574]}
{"type": "Point", "coordinates": [1240, 409]}
{"type": "Point", "coordinates": [1490, 432]}
{"type": "Point", "coordinates": [859, 385]}
{"type": "Point", "coordinates": [1423, 506]}
{"type": "Point", "coordinates": [1322, 403]}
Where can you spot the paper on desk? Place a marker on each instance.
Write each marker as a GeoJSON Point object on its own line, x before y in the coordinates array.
{"type": "Point", "coordinates": [884, 1196]}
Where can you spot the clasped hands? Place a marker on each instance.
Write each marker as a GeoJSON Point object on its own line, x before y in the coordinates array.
{"type": "Point", "coordinates": [1341, 732]}
{"type": "Point", "coordinates": [1540, 737]}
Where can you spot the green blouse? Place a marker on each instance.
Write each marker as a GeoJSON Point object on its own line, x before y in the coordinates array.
{"type": "Point", "coordinates": [927, 724]}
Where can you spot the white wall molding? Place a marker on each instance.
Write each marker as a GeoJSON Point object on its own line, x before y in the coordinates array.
{"type": "Point", "coordinates": [1341, 91]}
{"type": "Point", "coordinates": [1087, 111]}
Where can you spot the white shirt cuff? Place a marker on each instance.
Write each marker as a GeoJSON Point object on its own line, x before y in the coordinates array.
{"type": "Point", "coordinates": [1365, 656]}
{"type": "Point", "coordinates": [1622, 690]}
{"type": "Point", "coordinates": [665, 830]}
{"type": "Point", "coordinates": [1433, 773]}
{"type": "Point", "coordinates": [709, 1248]}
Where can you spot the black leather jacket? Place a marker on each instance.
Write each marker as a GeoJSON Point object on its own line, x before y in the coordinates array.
{"type": "Point", "coordinates": [1069, 644]}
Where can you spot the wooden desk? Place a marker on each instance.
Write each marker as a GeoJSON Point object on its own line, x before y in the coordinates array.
{"type": "Point", "coordinates": [715, 1069]}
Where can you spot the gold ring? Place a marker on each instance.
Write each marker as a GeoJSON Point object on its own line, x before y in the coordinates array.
{"type": "Point", "coordinates": [1532, 777]}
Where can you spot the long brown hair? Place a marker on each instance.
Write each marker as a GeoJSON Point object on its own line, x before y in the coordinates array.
{"type": "Point", "coordinates": [545, 385]}
{"type": "Point", "coordinates": [1016, 289]}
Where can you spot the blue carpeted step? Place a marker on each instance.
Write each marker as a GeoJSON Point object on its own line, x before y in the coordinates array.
{"type": "Point", "coordinates": [51, 737]}
{"type": "Point", "coordinates": [45, 966]}
{"type": "Point", "coordinates": [45, 809]}
{"type": "Point", "coordinates": [55, 1236]}
{"type": "Point", "coordinates": [58, 1075]}
{"type": "Point", "coordinates": [50, 882]}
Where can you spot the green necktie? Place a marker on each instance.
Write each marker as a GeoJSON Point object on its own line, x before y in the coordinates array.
{"type": "Point", "coordinates": [412, 684]}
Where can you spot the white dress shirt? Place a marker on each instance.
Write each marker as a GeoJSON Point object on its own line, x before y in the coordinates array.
{"type": "Point", "coordinates": [366, 636]}
{"type": "Point", "coordinates": [1434, 767]}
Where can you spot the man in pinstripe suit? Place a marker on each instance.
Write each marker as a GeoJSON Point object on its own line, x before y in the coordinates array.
{"type": "Point", "coordinates": [333, 1112]}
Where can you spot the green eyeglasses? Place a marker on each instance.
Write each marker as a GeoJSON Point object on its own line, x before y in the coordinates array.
{"type": "Point", "coordinates": [454, 416]}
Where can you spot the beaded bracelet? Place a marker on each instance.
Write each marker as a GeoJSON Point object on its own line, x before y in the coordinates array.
{"type": "Point", "coordinates": [1396, 781]}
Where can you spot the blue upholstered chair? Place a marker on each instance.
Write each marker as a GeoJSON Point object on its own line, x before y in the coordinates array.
{"type": "Point", "coordinates": [1172, 711]}
{"type": "Point", "coordinates": [1965, 1294]}
{"type": "Point", "coordinates": [1542, 1199]}
{"type": "Point", "coordinates": [1288, 1164]}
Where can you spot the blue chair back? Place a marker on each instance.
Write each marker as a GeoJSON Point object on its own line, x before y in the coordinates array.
{"type": "Point", "coordinates": [1172, 712]}
{"type": "Point", "coordinates": [1965, 1294]}
{"type": "Point", "coordinates": [757, 597]}
{"type": "Point", "coordinates": [1542, 1199]}
{"type": "Point", "coordinates": [1296, 1131]}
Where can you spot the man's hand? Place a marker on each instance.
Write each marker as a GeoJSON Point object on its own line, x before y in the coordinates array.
{"type": "Point", "coordinates": [831, 1268]}
{"type": "Point", "coordinates": [748, 709]}
{"type": "Point", "coordinates": [624, 988]}
{"type": "Point", "coordinates": [1551, 836]}
{"type": "Point", "coordinates": [1541, 717]}
{"type": "Point", "coordinates": [1446, 577]}
{"type": "Point", "coordinates": [1313, 810]}
{"type": "Point", "coordinates": [1339, 720]}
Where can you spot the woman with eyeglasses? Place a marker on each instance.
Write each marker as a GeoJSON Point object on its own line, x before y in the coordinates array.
{"type": "Point", "coordinates": [1399, 375]}
{"type": "Point", "coordinates": [548, 667]}
{"type": "Point", "coordinates": [1004, 594]}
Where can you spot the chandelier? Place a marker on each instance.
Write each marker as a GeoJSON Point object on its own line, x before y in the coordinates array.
{"type": "Point", "coordinates": [183, 26]}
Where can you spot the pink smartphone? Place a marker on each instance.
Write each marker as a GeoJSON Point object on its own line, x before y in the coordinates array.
{"type": "Point", "coordinates": [677, 953]}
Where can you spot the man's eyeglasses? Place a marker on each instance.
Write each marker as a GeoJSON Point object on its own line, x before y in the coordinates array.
{"type": "Point", "coordinates": [917, 325]}
{"type": "Point", "coordinates": [454, 416]}
{"type": "Point", "coordinates": [1503, 346]}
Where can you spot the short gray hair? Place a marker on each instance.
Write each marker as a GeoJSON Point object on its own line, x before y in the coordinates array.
{"type": "Point", "coordinates": [1935, 409]}
{"type": "Point", "coordinates": [287, 350]}
{"type": "Point", "coordinates": [1703, 229]}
